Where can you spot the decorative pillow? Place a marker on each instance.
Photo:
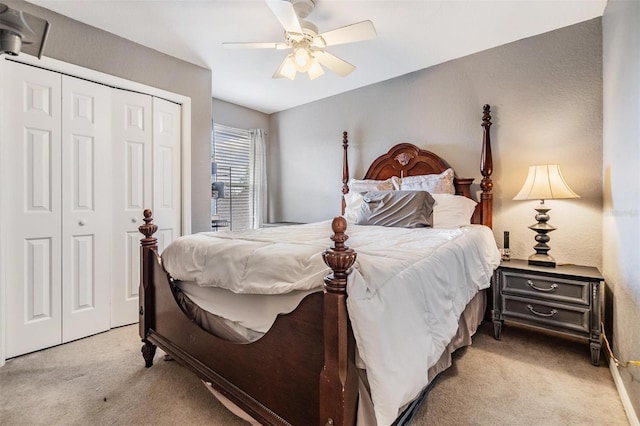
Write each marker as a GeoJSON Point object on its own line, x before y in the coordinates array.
{"type": "Point", "coordinates": [366, 185]}
{"type": "Point", "coordinates": [353, 201]}
{"type": "Point", "coordinates": [407, 209]}
{"type": "Point", "coordinates": [452, 211]}
{"type": "Point", "coordinates": [435, 184]}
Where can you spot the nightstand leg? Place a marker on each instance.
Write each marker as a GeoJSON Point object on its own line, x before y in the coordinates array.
{"type": "Point", "coordinates": [595, 353]}
{"type": "Point", "coordinates": [148, 352]}
{"type": "Point", "coordinates": [496, 317]}
{"type": "Point", "coordinates": [497, 329]}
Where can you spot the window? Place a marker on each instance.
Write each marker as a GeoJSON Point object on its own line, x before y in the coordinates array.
{"type": "Point", "coordinates": [239, 158]}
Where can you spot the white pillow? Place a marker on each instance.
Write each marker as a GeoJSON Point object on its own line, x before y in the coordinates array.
{"type": "Point", "coordinates": [435, 183]}
{"type": "Point", "coordinates": [353, 201]}
{"type": "Point", "coordinates": [452, 211]}
{"type": "Point", "coordinates": [366, 185]}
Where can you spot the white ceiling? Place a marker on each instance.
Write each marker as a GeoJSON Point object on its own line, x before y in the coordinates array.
{"type": "Point", "coordinates": [412, 35]}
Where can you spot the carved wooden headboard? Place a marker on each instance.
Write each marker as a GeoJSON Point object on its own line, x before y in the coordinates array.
{"type": "Point", "coordinates": [406, 159]}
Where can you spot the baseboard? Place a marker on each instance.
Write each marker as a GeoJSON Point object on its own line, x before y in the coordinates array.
{"type": "Point", "coordinates": [624, 396]}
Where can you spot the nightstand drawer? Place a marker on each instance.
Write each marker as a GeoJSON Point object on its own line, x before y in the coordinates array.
{"type": "Point", "coordinates": [541, 287]}
{"type": "Point", "coordinates": [554, 315]}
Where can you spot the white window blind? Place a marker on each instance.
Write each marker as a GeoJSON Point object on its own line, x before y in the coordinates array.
{"type": "Point", "coordinates": [232, 152]}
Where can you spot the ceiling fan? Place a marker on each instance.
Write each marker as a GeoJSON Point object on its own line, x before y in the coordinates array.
{"type": "Point", "coordinates": [308, 52]}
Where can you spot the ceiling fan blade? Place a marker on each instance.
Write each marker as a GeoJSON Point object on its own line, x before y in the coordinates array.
{"type": "Point", "coordinates": [355, 32]}
{"type": "Point", "coordinates": [249, 45]}
{"type": "Point", "coordinates": [334, 63]}
{"type": "Point", "coordinates": [286, 14]}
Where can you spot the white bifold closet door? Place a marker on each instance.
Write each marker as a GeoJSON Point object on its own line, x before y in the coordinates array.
{"type": "Point", "coordinates": [166, 171]}
{"type": "Point", "coordinates": [81, 161]}
{"type": "Point", "coordinates": [58, 243]}
{"type": "Point", "coordinates": [146, 151]}
{"type": "Point", "coordinates": [132, 152]}
{"type": "Point", "coordinates": [86, 208]}
{"type": "Point", "coordinates": [32, 211]}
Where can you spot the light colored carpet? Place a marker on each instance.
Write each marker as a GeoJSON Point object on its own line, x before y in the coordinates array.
{"type": "Point", "coordinates": [525, 379]}
{"type": "Point", "coordinates": [101, 380]}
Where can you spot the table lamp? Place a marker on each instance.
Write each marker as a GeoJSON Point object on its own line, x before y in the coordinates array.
{"type": "Point", "coordinates": [544, 182]}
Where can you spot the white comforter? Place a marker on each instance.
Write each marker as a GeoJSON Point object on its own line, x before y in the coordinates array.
{"type": "Point", "coordinates": [406, 292]}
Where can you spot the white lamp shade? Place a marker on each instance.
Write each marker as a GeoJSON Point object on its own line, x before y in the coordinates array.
{"type": "Point", "coordinates": [545, 182]}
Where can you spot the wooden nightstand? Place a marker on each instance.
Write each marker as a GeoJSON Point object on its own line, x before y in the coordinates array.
{"type": "Point", "coordinates": [565, 299]}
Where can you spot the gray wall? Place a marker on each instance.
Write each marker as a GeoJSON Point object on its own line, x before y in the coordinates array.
{"type": "Point", "coordinates": [77, 43]}
{"type": "Point", "coordinates": [621, 219]}
{"type": "Point", "coordinates": [546, 97]}
{"type": "Point", "coordinates": [237, 116]}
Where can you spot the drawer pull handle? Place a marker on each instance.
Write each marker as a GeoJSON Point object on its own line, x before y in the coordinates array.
{"type": "Point", "coordinates": [553, 287]}
{"type": "Point", "coordinates": [540, 314]}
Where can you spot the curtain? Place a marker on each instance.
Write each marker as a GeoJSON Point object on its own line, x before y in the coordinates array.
{"type": "Point", "coordinates": [258, 177]}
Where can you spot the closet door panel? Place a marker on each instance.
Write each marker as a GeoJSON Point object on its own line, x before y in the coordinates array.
{"type": "Point", "coordinates": [31, 210]}
{"type": "Point", "coordinates": [166, 170]}
{"type": "Point", "coordinates": [132, 164]}
{"type": "Point", "coordinates": [86, 206]}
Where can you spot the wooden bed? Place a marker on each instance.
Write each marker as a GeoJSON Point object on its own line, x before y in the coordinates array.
{"type": "Point", "coordinates": [303, 370]}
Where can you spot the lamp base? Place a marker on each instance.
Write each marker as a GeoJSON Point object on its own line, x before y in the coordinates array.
{"type": "Point", "coordinates": [542, 228]}
{"type": "Point", "coordinates": [542, 260]}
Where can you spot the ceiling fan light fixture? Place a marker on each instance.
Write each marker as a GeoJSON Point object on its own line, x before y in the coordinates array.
{"type": "Point", "coordinates": [302, 58]}
{"type": "Point", "coordinates": [289, 68]}
{"type": "Point", "coordinates": [315, 70]}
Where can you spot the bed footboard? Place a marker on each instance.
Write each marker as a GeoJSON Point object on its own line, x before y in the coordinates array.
{"type": "Point", "coordinates": [302, 371]}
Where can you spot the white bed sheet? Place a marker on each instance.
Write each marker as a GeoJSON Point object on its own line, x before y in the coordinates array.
{"type": "Point", "coordinates": [406, 292]}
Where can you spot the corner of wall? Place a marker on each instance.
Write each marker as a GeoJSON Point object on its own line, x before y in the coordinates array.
{"type": "Point", "coordinates": [624, 396]}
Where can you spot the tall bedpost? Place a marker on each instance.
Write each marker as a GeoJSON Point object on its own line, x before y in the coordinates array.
{"type": "Point", "coordinates": [339, 379]}
{"type": "Point", "coordinates": [345, 169]}
{"type": "Point", "coordinates": [486, 168]}
{"type": "Point", "coordinates": [148, 252]}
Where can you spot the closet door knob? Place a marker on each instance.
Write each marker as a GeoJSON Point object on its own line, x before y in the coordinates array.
{"type": "Point", "coordinates": [134, 219]}
{"type": "Point", "coordinates": [82, 223]}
